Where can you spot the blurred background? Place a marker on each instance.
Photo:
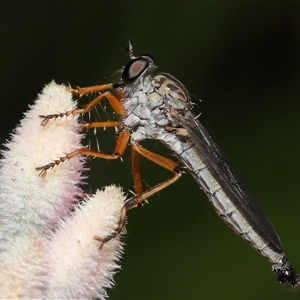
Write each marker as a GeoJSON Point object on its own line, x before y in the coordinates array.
{"type": "Point", "coordinates": [242, 60]}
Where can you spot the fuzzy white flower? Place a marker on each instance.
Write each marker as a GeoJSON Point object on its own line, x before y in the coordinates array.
{"type": "Point", "coordinates": [74, 242]}
{"type": "Point", "coordinates": [44, 233]}
{"type": "Point", "coordinates": [30, 203]}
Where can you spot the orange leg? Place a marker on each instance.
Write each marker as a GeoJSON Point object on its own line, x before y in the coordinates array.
{"type": "Point", "coordinates": [92, 89]}
{"type": "Point", "coordinates": [142, 195]}
{"type": "Point", "coordinates": [101, 124]}
{"type": "Point", "coordinates": [159, 160]}
{"type": "Point", "coordinates": [113, 100]}
{"type": "Point", "coordinates": [119, 150]}
{"type": "Point", "coordinates": [136, 172]}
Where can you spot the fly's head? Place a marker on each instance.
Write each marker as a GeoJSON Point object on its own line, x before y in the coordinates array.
{"type": "Point", "coordinates": [136, 71]}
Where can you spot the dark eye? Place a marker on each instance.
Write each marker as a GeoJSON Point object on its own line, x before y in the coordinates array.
{"type": "Point", "coordinates": [134, 69]}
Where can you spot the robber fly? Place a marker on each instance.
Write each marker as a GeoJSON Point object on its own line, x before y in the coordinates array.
{"type": "Point", "coordinates": [159, 108]}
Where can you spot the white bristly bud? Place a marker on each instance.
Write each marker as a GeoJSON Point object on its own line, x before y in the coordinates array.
{"type": "Point", "coordinates": [77, 267]}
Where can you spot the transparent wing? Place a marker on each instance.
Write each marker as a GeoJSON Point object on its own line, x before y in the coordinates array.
{"type": "Point", "coordinates": [230, 178]}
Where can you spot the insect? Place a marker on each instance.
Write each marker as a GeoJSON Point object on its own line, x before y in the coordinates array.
{"type": "Point", "coordinates": [159, 108]}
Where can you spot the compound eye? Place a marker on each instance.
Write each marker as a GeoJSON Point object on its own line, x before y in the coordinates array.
{"type": "Point", "coordinates": [134, 69]}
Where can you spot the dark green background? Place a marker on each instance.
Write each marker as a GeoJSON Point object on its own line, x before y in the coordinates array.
{"type": "Point", "coordinates": [242, 60]}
